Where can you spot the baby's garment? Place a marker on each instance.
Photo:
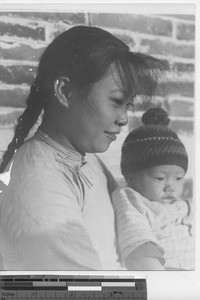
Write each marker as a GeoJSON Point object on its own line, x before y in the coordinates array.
{"type": "Point", "coordinates": [170, 227]}
{"type": "Point", "coordinates": [134, 236]}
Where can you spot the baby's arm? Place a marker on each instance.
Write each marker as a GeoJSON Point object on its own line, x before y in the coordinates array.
{"type": "Point", "coordinates": [145, 257]}
{"type": "Point", "coordinates": [144, 263]}
{"type": "Point", "coordinates": [137, 246]}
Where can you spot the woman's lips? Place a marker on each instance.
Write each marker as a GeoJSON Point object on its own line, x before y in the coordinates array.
{"type": "Point", "coordinates": [112, 136]}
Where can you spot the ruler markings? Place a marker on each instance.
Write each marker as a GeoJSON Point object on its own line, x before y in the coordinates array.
{"type": "Point", "coordinates": [72, 287]}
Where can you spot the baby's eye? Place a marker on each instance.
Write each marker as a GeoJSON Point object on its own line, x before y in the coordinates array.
{"type": "Point", "coordinates": [179, 178]}
{"type": "Point", "coordinates": [160, 178]}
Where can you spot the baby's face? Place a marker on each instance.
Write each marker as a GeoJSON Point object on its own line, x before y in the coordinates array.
{"type": "Point", "coordinates": [161, 183]}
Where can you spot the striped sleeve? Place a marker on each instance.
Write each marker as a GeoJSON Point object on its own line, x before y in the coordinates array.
{"type": "Point", "coordinates": [132, 229]}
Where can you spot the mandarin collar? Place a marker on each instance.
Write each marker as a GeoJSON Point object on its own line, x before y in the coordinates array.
{"type": "Point", "coordinates": [72, 155]}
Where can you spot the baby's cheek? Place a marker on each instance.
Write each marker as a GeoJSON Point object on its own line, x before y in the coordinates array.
{"type": "Point", "coordinates": [180, 191]}
{"type": "Point", "coordinates": [159, 192]}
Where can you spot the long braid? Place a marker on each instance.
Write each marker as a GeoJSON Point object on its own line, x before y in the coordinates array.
{"type": "Point", "coordinates": [24, 123]}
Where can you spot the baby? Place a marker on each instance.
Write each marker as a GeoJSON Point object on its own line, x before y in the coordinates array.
{"type": "Point", "coordinates": [154, 162]}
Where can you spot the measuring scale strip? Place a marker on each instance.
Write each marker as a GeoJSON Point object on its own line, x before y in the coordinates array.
{"type": "Point", "coordinates": [73, 289]}
{"type": "Point", "coordinates": [52, 295]}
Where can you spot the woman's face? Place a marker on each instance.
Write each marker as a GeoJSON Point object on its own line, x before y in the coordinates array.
{"type": "Point", "coordinates": [94, 122]}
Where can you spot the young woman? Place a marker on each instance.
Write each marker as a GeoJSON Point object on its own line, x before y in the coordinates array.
{"type": "Point", "coordinates": [56, 213]}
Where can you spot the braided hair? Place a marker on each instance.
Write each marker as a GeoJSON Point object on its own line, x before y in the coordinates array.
{"type": "Point", "coordinates": [34, 106]}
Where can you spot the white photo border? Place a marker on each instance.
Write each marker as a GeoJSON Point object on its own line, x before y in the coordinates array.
{"type": "Point", "coordinates": [165, 285]}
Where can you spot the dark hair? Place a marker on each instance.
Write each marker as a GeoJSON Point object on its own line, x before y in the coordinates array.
{"type": "Point", "coordinates": [84, 54]}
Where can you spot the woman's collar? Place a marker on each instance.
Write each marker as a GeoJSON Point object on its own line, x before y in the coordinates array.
{"type": "Point", "coordinates": [69, 153]}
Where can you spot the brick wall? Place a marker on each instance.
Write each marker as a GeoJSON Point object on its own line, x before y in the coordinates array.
{"type": "Point", "coordinates": [24, 35]}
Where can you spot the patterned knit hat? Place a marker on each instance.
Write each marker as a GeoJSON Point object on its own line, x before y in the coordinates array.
{"type": "Point", "coordinates": [152, 144]}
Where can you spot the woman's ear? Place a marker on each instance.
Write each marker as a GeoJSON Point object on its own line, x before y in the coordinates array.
{"type": "Point", "coordinates": [62, 90]}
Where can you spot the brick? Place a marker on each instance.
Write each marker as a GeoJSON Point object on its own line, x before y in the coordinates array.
{"type": "Point", "coordinates": [184, 67]}
{"type": "Point", "coordinates": [181, 88]}
{"type": "Point", "coordinates": [185, 32]}
{"type": "Point", "coordinates": [22, 31]}
{"type": "Point", "coordinates": [182, 17]}
{"type": "Point", "coordinates": [17, 74]}
{"type": "Point", "coordinates": [126, 39]}
{"type": "Point", "coordinates": [168, 48]}
{"type": "Point", "coordinates": [14, 98]}
{"type": "Point", "coordinates": [10, 118]}
{"type": "Point", "coordinates": [20, 52]}
{"type": "Point", "coordinates": [72, 18]}
{"type": "Point", "coordinates": [181, 108]}
{"type": "Point", "coordinates": [135, 23]}
{"type": "Point", "coordinates": [185, 89]}
{"type": "Point", "coordinates": [182, 126]}
{"type": "Point", "coordinates": [6, 135]}
{"type": "Point", "coordinates": [142, 105]}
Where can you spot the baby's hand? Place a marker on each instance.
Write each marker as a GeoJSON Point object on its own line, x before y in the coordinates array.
{"type": "Point", "coordinates": [144, 264]}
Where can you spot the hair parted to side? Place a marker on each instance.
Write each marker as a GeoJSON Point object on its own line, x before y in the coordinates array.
{"type": "Point", "coordinates": [84, 54]}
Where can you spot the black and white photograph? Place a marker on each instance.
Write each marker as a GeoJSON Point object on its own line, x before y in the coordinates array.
{"type": "Point", "coordinates": [97, 138]}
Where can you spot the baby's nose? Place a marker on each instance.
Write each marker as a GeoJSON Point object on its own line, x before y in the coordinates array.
{"type": "Point", "coordinates": [169, 187]}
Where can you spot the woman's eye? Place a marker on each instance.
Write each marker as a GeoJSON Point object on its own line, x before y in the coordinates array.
{"type": "Point", "coordinates": [179, 178]}
{"type": "Point", "coordinates": [129, 106]}
{"type": "Point", "coordinates": [117, 101]}
{"type": "Point", "coordinates": [120, 102]}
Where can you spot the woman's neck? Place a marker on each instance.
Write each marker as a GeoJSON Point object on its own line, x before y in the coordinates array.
{"type": "Point", "coordinates": [54, 133]}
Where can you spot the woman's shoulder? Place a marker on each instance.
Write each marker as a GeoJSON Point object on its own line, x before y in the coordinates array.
{"type": "Point", "coordinates": [34, 149]}
{"type": "Point", "coordinates": [36, 164]}
{"type": "Point", "coordinates": [35, 157]}
{"type": "Point", "coordinates": [38, 189]}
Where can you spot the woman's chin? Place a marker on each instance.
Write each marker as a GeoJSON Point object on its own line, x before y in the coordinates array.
{"type": "Point", "coordinates": [102, 148]}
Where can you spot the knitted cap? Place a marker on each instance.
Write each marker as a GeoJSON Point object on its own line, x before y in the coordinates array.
{"type": "Point", "coordinates": [152, 144]}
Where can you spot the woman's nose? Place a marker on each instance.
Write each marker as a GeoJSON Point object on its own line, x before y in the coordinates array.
{"type": "Point", "coordinates": [122, 118]}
